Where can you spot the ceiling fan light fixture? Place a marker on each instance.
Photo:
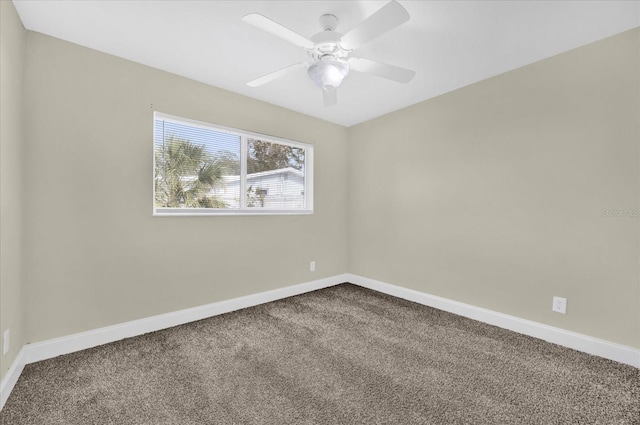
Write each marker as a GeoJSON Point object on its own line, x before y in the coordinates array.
{"type": "Point", "coordinates": [328, 73]}
{"type": "Point", "coordinates": [330, 51]}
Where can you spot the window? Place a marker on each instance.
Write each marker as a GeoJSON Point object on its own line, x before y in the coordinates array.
{"type": "Point", "coordinates": [203, 169]}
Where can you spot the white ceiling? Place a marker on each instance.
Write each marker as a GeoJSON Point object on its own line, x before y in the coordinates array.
{"type": "Point", "coordinates": [450, 44]}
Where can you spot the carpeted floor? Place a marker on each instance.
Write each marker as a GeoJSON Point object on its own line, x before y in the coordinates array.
{"type": "Point", "coordinates": [342, 355]}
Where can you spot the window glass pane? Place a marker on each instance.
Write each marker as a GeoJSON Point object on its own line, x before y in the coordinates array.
{"type": "Point", "coordinates": [275, 175]}
{"type": "Point", "coordinates": [195, 167]}
{"type": "Point", "coordinates": [201, 168]}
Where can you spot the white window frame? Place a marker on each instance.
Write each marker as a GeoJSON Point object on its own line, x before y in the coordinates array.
{"type": "Point", "coordinates": [243, 209]}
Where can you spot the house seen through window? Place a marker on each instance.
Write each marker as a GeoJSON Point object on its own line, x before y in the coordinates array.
{"type": "Point", "coordinates": [201, 168]}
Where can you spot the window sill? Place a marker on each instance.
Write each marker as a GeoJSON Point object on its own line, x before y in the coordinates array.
{"type": "Point", "coordinates": [181, 212]}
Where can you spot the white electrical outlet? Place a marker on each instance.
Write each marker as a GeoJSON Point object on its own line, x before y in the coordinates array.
{"type": "Point", "coordinates": [5, 342]}
{"type": "Point", "coordinates": [312, 266]}
{"type": "Point", "coordinates": [559, 305]}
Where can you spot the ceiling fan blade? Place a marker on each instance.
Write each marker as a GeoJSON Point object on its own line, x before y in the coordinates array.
{"type": "Point", "coordinates": [272, 27]}
{"type": "Point", "coordinates": [275, 74]}
{"type": "Point", "coordinates": [384, 70]}
{"type": "Point", "coordinates": [387, 18]}
{"type": "Point", "coordinates": [329, 97]}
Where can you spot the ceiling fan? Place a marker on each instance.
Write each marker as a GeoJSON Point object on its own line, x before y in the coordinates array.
{"type": "Point", "coordinates": [330, 51]}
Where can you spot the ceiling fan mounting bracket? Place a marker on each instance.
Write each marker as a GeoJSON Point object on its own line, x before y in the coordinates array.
{"type": "Point", "coordinates": [328, 22]}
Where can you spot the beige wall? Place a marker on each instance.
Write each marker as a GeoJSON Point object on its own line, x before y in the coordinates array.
{"type": "Point", "coordinates": [12, 51]}
{"type": "Point", "coordinates": [493, 195]}
{"type": "Point", "coordinates": [94, 255]}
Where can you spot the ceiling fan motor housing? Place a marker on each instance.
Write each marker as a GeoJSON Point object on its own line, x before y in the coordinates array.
{"type": "Point", "coordinates": [326, 43]}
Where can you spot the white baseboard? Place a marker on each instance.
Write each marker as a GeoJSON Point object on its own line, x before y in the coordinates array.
{"type": "Point", "coordinates": [10, 379]}
{"type": "Point", "coordinates": [81, 341]}
{"type": "Point", "coordinates": [31, 353]}
{"type": "Point", "coordinates": [587, 344]}
{"type": "Point", "coordinates": [58, 346]}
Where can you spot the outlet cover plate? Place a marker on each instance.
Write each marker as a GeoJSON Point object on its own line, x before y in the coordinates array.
{"type": "Point", "coordinates": [559, 305]}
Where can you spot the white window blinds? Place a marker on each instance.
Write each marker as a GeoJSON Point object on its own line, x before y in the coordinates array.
{"type": "Point", "coordinates": [205, 169]}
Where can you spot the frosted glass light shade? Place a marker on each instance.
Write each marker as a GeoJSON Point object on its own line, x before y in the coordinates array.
{"type": "Point", "coordinates": [328, 74]}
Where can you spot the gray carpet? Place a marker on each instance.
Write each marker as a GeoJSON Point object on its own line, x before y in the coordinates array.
{"type": "Point", "coordinates": [342, 355]}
